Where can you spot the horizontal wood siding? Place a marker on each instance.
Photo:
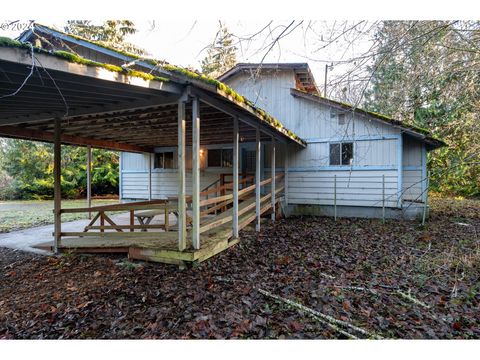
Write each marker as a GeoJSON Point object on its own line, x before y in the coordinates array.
{"type": "Point", "coordinates": [164, 184]}
{"type": "Point", "coordinates": [356, 188]}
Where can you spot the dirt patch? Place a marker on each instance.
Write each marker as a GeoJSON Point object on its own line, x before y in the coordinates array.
{"type": "Point", "coordinates": [395, 280]}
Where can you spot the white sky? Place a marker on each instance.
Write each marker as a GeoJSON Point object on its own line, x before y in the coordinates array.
{"type": "Point", "coordinates": [183, 42]}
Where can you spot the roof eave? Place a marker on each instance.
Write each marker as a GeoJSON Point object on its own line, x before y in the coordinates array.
{"type": "Point", "coordinates": [434, 143]}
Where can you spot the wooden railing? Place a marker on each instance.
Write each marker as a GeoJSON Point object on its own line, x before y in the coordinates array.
{"type": "Point", "coordinates": [224, 200]}
{"type": "Point", "coordinates": [108, 227]}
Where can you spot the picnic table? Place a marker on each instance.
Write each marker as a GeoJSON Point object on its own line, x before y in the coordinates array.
{"type": "Point", "coordinates": [145, 217]}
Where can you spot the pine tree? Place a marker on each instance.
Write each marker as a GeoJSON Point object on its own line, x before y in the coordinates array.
{"type": "Point", "coordinates": [111, 33]}
{"type": "Point", "coordinates": [221, 55]}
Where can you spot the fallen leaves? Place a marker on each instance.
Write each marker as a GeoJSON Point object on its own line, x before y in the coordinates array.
{"type": "Point", "coordinates": [351, 270]}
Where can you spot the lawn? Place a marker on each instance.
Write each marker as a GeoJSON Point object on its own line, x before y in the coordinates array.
{"type": "Point", "coordinates": [17, 215]}
{"type": "Point", "coordinates": [362, 279]}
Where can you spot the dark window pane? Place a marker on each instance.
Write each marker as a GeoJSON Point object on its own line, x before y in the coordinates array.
{"type": "Point", "coordinates": [214, 157]}
{"type": "Point", "coordinates": [227, 158]}
{"type": "Point", "coordinates": [347, 153]}
{"type": "Point", "coordinates": [158, 161]}
{"type": "Point", "coordinates": [341, 118]}
{"type": "Point", "coordinates": [334, 154]}
{"type": "Point", "coordinates": [168, 160]}
{"type": "Point", "coordinates": [249, 161]}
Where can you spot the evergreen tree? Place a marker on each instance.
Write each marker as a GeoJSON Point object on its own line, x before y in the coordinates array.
{"type": "Point", "coordinates": [111, 33]}
{"type": "Point", "coordinates": [221, 55]}
{"type": "Point", "coordinates": [426, 73]}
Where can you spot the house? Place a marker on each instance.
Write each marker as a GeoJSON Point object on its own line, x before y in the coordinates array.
{"type": "Point", "coordinates": [357, 163]}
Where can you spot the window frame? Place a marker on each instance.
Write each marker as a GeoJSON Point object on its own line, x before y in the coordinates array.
{"type": "Point", "coordinates": [221, 158]}
{"type": "Point", "coordinates": [162, 155]}
{"type": "Point", "coordinates": [341, 152]}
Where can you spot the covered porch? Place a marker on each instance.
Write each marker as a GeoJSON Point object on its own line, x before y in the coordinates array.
{"type": "Point", "coordinates": [45, 98]}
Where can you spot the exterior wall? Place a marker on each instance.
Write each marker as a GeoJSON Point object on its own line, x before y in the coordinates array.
{"type": "Point", "coordinates": [414, 166]}
{"type": "Point", "coordinates": [310, 177]}
{"type": "Point", "coordinates": [134, 173]}
{"type": "Point", "coordinates": [270, 91]}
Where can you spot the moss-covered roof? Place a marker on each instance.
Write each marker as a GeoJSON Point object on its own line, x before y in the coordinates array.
{"type": "Point", "coordinates": [425, 132]}
{"type": "Point", "coordinates": [7, 42]}
{"type": "Point", "coordinates": [188, 75]}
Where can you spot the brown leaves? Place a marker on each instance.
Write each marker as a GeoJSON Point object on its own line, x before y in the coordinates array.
{"type": "Point", "coordinates": [315, 261]}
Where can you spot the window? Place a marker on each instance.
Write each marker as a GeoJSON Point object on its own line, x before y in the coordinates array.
{"type": "Point", "coordinates": [220, 158]}
{"type": "Point", "coordinates": [341, 153]}
{"type": "Point", "coordinates": [163, 160]}
{"type": "Point", "coordinates": [340, 115]}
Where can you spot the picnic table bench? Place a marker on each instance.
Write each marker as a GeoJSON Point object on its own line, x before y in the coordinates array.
{"type": "Point", "coordinates": [144, 217]}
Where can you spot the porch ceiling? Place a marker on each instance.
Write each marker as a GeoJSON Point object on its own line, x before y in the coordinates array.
{"type": "Point", "coordinates": [106, 109]}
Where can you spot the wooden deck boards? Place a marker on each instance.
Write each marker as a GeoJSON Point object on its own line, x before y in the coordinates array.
{"type": "Point", "coordinates": [162, 246]}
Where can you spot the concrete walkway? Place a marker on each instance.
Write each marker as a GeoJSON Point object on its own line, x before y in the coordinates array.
{"type": "Point", "coordinates": [26, 239]}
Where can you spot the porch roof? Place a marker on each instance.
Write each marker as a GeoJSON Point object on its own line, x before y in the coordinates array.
{"type": "Point", "coordinates": [118, 108]}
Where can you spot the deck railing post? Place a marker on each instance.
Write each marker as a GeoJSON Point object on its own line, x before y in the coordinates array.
{"type": "Point", "coordinates": [57, 186]}
{"type": "Point", "coordinates": [257, 177]}
{"type": "Point", "coordinates": [196, 173]}
{"type": "Point", "coordinates": [89, 179]}
{"type": "Point", "coordinates": [235, 178]}
{"type": "Point", "coordinates": [273, 184]}
{"type": "Point", "coordinates": [182, 215]}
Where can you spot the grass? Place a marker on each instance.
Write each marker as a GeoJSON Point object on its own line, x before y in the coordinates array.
{"type": "Point", "coordinates": [18, 215]}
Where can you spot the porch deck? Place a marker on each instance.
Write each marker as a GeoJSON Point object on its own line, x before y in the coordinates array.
{"type": "Point", "coordinates": [160, 244]}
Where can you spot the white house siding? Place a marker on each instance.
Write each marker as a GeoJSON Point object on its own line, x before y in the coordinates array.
{"type": "Point", "coordinates": [269, 91]}
{"type": "Point", "coordinates": [413, 170]}
{"type": "Point", "coordinates": [134, 172]}
{"type": "Point", "coordinates": [310, 178]}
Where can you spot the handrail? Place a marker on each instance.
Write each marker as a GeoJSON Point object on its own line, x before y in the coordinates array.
{"type": "Point", "coordinates": [137, 205]}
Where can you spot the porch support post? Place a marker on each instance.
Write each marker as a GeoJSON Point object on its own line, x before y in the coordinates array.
{"type": "Point", "coordinates": [273, 184]}
{"type": "Point", "coordinates": [89, 179]}
{"type": "Point", "coordinates": [235, 177]}
{"type": "Point", "coordinates": [257, 177]}
{"type": "Point", "coordinates": [57, 189]}
{"type": "Point", "coordinates": [149, 176]}
{"type": "Point", "coordinates": [196, 173]}
{"type": "Point", "coordinates": [182, 217]}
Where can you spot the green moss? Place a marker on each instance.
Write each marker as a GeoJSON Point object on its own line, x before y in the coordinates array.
{"type": "Point", "coordinates": [74, 58]}
{"type": "Point", "coordinates": [223, 88]}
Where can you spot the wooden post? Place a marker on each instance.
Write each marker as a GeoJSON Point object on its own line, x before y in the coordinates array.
{"type": "Point", "coordinates": [182, 211]}
{"type": "Point", "coordinates": [257, 177]}
{"type": "Point", "coordinates": [196, 173]}
{"type": "Point", "coordinates": [335, 197]}
{"type": "Point", "coordinates": [383, 198]}
{"type": "Point", "coordinates": [89, 179]}
{"type": "Point", "coordinates": [149, 176]}
{"type": "Point", "coordinates": [57, 186]}
{"type": "Point", "coordinates": [235, 178]}
{"type": "Point", "coordinates": [273, 184]}
{"type": "Point", "coordinates": [425, 205]}
{"type": "Point", "coordinates": [132, 220]}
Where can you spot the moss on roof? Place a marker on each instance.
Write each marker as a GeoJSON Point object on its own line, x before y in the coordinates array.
{"type": "Point", "coordinates": [228, 92]}
{"type": "Point", "coordinates": [221, 88]}
{"type": "Point", "coordinates": [7, 42]}
{"type": "Point", "coordinates": [383, 117]}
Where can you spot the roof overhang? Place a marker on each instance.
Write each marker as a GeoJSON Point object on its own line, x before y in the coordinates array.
{"type": "Point", "coordinates": [109, 109]}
